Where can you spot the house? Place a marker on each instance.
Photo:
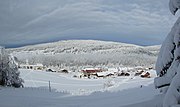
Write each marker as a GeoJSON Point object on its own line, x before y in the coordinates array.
{"type": "Point", "coordinates": [63, 71]}
{"type": "Point", "coordinates": [151, 68]}
{"type": "Point", "coordinates": [50, 70]}
{"type": "Point", "coordinates": [105, 74]}
{"type": "Point", "coordinates": [126, 74]}
{"type": "Point", "coordinates": [139, 72]}
{"type": "Point", "coordinates": [90, 71]}
{"type": "Point", "coordinates": [146, 75]}
{"type": "Point", "coordinates": [123, 74]}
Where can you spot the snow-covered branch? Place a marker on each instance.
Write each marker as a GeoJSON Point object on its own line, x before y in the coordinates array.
{"type": "Point", "coordinates": [168, 63]}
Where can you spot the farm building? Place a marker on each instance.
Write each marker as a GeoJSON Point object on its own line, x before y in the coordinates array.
{"type": "Point", "coordinates": [90, 71]}
{"type": "Point", "coordinates": [146, 75]}
{"type": "Point", "coordinates": [138, 72]}
{"type": "Point", "coordinates": [105, 74]}
{"type": "Point", "coordinates": [50, 70]}
{"type": "Point", "coordinates": [123, 74]}
{"type": "Point", "coordinates": [96, 72]}
{"type": "Point", "coordinates": [63, 71]}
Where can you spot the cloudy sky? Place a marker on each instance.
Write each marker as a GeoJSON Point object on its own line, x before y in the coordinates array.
{"type": "Point", "coordinates": [142, 22]}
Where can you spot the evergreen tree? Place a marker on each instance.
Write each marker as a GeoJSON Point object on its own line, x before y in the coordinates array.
{"type": "Point", "coordinates": [9, 74]}
{"type": "Point", "coordinates": [167, 66]}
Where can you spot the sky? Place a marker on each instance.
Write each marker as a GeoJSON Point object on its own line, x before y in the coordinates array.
{"type": "Point", "coordinates": [141, 22]}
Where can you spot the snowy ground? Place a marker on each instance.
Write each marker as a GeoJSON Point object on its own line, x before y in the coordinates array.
{"type": "Point", "coordinates": [71, 92]}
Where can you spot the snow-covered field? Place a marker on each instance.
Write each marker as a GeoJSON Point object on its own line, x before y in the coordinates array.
{"type": "Point", "coordinates": [73, 92]}
{"type": "Point", "coordinates": [75, 86]}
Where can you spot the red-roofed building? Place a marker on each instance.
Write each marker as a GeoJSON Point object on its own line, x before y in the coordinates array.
{"type": "Point", "coordinates": [90, 71]}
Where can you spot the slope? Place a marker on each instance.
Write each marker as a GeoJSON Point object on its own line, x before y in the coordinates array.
{"type": "Point", "coordinates": [87, 52]}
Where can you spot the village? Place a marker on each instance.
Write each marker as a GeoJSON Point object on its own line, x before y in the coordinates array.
{"type": "Point", "coordinates": [92, 72]}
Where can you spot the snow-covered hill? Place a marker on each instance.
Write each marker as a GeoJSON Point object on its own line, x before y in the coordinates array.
{"type": "Point", "coordinates": [87, 52]}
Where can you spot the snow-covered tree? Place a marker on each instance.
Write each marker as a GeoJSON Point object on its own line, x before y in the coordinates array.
{"type": "Point", "coordinates": [167, 66]}
{"type": "Point", "coordinates": [9, 74]}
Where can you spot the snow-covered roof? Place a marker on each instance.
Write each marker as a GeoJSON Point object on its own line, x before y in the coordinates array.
{"type": "Point", "coordinates": [91, 69]}
{"type": "Point", "coordinates": [143, 73]}
{"type": "Point", "coordinates": [39, 64]}
{"type": "Point", "coordinates": [104, 73]}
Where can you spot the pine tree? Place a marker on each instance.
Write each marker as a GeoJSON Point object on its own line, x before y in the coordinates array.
{"type": "Point", "coordinates": [167, 66]}
{"type": "Point", "coordinates": [9, 74]}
